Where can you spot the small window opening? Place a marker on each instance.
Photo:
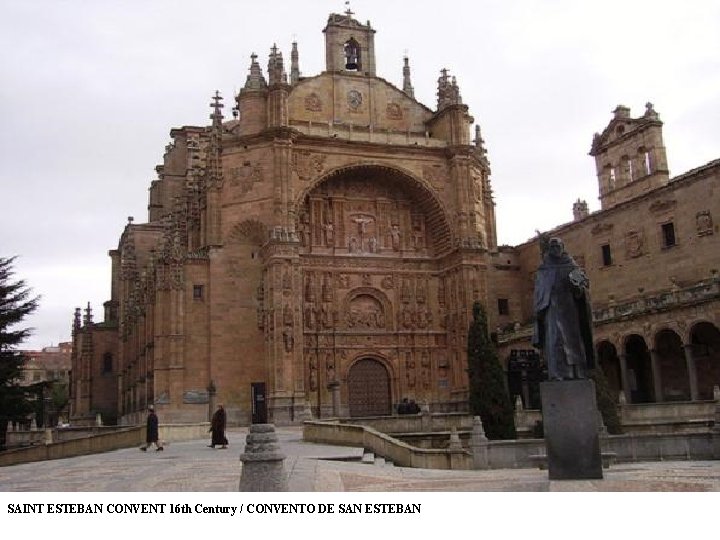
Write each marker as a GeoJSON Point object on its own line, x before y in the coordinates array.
{"type": "Point", "coordinates": [198, 292]}
{"type": "Point", "coordinates": [606, 255]}
{"type": "Point", "coordinates": [503, 306]}
{"type": "Point", "coordinates": [668, 233]}
{"type": "Point", "coordinates": [648, 170]}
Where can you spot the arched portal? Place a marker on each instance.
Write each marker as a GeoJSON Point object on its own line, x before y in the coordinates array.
{"type": "Point", "coordinates": [369, 388]}
{"type": "Point", "coordinates": [639, 371]}
{"type": "Point", "coordinates": [705, 339]}
{"type": "Point", "coordinates": [672, 366]}
{"type": "Point", "coordinates": [610, 365]}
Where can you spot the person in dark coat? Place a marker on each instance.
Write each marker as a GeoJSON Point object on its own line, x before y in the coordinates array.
{"type": "Point", "coordinates": [403, 406]}
{"type": "Point", "coordinates": [217, 428]}
{"type": "Point", "coordinates": [151, 431]}
{"type": "Point", "coordinates": [563, 321]}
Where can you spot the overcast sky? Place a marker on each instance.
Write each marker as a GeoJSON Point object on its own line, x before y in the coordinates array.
{"type": "Point", "coordinates": [90, 91]}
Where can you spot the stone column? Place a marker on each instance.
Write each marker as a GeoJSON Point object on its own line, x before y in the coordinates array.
{"type": "Point", "coordinates": [334, 387]}
{"type": "Point", "coordinates": [624, 378]}
{"type": "Point", "coordinates": [657, 380]}
{"type": "Point", "coordinates": [263, 468]}
{"type": "Point", "coordinates": [48, 436]}
{"type": "Point", "coordinates": [692, 373]}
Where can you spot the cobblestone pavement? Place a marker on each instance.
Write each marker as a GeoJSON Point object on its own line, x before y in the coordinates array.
{"type": "Point", "coordinates": [192, 466]}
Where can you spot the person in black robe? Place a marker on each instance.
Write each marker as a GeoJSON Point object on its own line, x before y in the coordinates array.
{"type": "Point", "coordinates": [217, 428]}
{"type": "Point", "coordinates": [151, 431]}
{"type": "Point", "coordinates": [563, 321]}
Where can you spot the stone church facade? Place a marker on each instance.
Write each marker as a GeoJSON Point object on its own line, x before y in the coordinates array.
{"type": "Point", "coordinates": [320, 252]}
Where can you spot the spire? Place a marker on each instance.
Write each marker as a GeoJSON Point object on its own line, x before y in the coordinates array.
{"type": "Point", "coordinates": [255, 80]}
{"type": "Point", "coordinates": [294, 64]}
{"type": "Point", "coordinates": [276, 68]}
{"type": "Point", "coordinates": [217, 116]}
{"type": "Point", "coordinates": [448, 91]}
{"type": "Point", "coordinates": [87, 320]}
{"type": "Point", "coordinates": [77, 321]}
{"type": "Point", "coordinates": [407, 85]}
{"type": "Point", "coordinates": [479, 142]}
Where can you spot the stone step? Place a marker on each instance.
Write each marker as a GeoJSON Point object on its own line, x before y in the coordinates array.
{"type": "Point", "coordinates": [368, 457]}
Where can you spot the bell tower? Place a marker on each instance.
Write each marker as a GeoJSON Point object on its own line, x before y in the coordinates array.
{"type": "Point", "coordinates": [349, 45]}
{"type": "Point", "coordinates": [629, 156]}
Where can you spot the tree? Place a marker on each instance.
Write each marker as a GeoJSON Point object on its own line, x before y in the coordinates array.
{"type": "Point", "coordinates": [489, 397]}
{"type": "Point", "coordinates": [16, 303]}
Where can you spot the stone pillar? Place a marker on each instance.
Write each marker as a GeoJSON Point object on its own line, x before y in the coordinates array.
{"type": "Point", "coordinates": [657, 380]}
{"type": "Point", "coordinates": [98, 419]}
{"type": "Point", "coordinates": [48, 436]}
{"type": "Point", "coordinates": [715, 431]}
{"type": "Point", "coordinates": [454, 443]}
{"type": "Point", "coordinates": [263, 468]}
{"type": "Point", "coordinates": [479, 445]}
{"type": "Point", "coordinates": [624, 378]}
{"type": "Point", "coordinates": [335, 390]}
{"type": "Point", "coordinates": [692, 372]}
{"type": "Point", "coordinates": [425, 419]}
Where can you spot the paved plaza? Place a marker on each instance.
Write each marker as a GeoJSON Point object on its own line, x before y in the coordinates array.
{"type": "Point", "coordinates": [192, 466]}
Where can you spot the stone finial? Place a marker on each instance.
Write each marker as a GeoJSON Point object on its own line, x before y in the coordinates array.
{"type": "Point", "coordinates": [98, 420]}
{"type": "Point", "coordinates": [621, 111]}
{"type": "Point", "coordinates": [650, 111]}
{"type": "Point", "coordinates": [518, 404]}
{"type": "Point", "coordinates": [87, 319]}
{"type": "Point", "coordinates": [262, 461]}
{"type": "Point", "coordinates": [407, 85]}
{"type": "Point", "coordinates": [217, 105]}
{"type": "Point", "coordinates": [454, 443]}
{"type": "Point", "coordinates": [448, 92]}
{"type": "Point", "coordinates": [276, 67]}
{"type": "Point", "coordinates": [478, 431]}
{"type": "Point", "coordinates": [622, 400]}
{"type": "Point", "coordinates": [255, 80]}
{"type": "Point", "coordinates": [77, 320]}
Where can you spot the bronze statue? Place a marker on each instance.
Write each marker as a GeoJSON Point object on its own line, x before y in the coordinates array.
{"type": "Point", "coordinates": [563, 320]}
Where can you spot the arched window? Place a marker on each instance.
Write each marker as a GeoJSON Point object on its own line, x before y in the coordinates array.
{"type": "Point", "coordinates": [352, 55]}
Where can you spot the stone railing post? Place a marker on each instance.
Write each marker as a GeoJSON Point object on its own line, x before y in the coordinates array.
{"type": "Point", "coordinates": [98, 419]}
{"type": "Point", "coordinates": [263, 463]}
{"type": "Point", "coordinates": [425, 419]}
{"type": "Point", "coordinates": [479, 445]}
{"type": "Point", "coordinates": [48, 436]}
{"type": "Point", "coordinates": [716, 426]}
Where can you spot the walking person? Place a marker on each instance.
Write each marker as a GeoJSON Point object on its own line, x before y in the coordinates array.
{"type": "Point", "coordinates": [151, 431]}
{"type": "Point", "coordinates": [217, 428]}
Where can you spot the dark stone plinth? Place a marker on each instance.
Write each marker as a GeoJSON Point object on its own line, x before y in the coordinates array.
{"type": "Point", "coordinates": [571, 429]}
{"type": "Point", "coordinates": [262, 461]}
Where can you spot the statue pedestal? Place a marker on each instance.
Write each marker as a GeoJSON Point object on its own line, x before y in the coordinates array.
{"type": "Point", "coordinates": [571, 429]}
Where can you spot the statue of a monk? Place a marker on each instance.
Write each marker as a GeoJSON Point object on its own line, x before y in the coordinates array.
{"type": "Point", "coordinates": [563, 319]}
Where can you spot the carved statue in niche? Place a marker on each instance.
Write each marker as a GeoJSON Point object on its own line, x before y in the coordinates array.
{"type": "Point", "coordinates": [310, 318]}
{"type": "Point", "coordinates": [310, 288]}
{"type": "Point", "coordinates": [304, 229]}
{"type": "Point", "coordinates": [286, 280]}
{"type": "Point", "coordinates": [287, 315]}
{"type": "Point", "coordinates": [329, 234]}
{"type": "Point", "coordinates": [343, 281]}
{"type": "Point", "coordinates": [288, 338]}
{"type": "Point", "coordinates": [424, 318]}
{"type": "Point", "coordinates": [405, 293]}
{"type": "Point", "coordinates": [406, 318]}
{"type": "Point", "coordinates": [327, 290]}
{"type": "Point", "coordinates": [325, 318]}
{"type": "Point", "coordinates": [330, 367]}
{"type": "Point", "coordinates": [372, 245]}
{"type": "Point", "coordinates": [353, 246]}
{"type": "Point", "coordinates": [409, 370]}
{"type": "Point", "coordinates": [363, 231]}
{"type": "Point", "coordinates": [421, 291]}
{"type": "Point", "coordinates": [366, 280]}
{"type": "Point", "coordinates": [313, 384]}
{"type": "Point", "coordinates": [425, 369]}
{"type": "Point", "coordinates": [418, 236]}
{"type": "Point", "coordinates": [387, 282]}
{"type": "Point", "coordinates": [395, 237]}
{"type": "Point", "coordinates": [704, 223]}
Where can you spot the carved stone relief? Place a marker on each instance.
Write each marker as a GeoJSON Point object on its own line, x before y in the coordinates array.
{"type": "Point", "coordinates": [365, 312]}
{"type": "Point", "coordinates": [704, 223]}
{"type": "Point", "coordinates": [245, 177]}
{"type": "Point", "coordinates": [634, 244]}
{"type": "Point", "coordinates": [394, 111]}
{"type": "Point", "coordinates": [307, 165]}
{"type": "Point", "coordinates": [313, 103]}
